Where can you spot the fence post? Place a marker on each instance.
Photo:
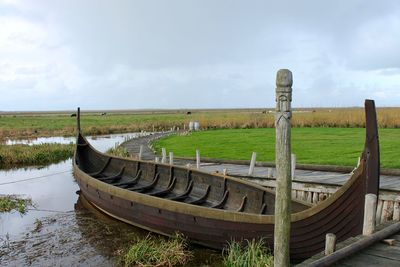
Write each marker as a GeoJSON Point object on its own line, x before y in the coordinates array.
{"type": "Point", "coordinates": [171, 158]}
{"type": "Point", "coordinates": [369, 214]}
{"type": "Point", "coordinates": [140, 152]}
{"type": "Point", "coordinates": [164, 155]}
{"type": "Point", "coordinates": [283, 195]}
{"type": "Point", "coordinates": [197, 159]}
{"type": "Point", "coordinates": [252, 163]}
{"type": "Point", "coordinates": [330, 243]}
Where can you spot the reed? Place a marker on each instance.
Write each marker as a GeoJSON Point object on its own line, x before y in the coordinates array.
{"type": "Point", "coordinates": [29, 155]}
{"type": "Point", "coordinates": [13, 202]}
{"type": "Point", "coordinates": [253, 253]}
{"type": "Point", "coordinates": [152, 251]}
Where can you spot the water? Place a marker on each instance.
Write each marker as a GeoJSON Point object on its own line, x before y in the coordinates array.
{"type": "Point", "coordinates": [51, 188]}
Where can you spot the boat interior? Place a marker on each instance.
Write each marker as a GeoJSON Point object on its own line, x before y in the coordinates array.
{"type": "Point", "coordinates": [177, 183]}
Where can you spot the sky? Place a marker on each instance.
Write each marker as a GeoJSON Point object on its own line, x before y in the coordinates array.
{"type": "Point", "coordinates": [140, 54]}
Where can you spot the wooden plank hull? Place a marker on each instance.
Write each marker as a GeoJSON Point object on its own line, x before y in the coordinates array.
{"type": "Point", "coordinates": [237, 219]}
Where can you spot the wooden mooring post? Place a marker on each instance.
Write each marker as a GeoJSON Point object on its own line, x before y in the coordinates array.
{"type": "Point", "coordinates": [140, 155]}
{"type": "Point", "coordinates": [171, 158]}
{"type": "Point", "coordinates": [164, 155]}
{"type": "Point", "coordinates": [283, 117]}
{"type": "Point", "coordinates": [252, 163]}
{"type": "Point", "coordinates": [330, 243]}
{"type": "Point", "coordinates": [369, 214]}
{"type": "Point", "coordinates": [197, 159]}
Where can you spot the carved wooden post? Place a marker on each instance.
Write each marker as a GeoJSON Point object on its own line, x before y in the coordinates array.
{"type": "Point", "coordinates": [283, 116]}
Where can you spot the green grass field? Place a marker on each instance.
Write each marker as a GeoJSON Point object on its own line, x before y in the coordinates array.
{"type": "Point", "coordinates": [328, 146]}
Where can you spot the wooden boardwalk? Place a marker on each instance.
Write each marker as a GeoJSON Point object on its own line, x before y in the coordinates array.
{"type": "Point", "coordinates": [390, 183]}
{"type": "Point", "coordinates": [377, 254]}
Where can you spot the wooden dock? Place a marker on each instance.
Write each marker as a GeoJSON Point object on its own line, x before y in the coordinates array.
{"type": "Point", "coordinates": [384, 252]}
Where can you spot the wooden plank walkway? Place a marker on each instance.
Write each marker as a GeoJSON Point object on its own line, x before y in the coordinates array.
{"type": "Point", "coordinates": [391, 183]}
{"type": "Point", "coordinates": [378, 254]}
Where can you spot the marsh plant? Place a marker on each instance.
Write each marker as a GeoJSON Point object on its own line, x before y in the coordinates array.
{"type": "Point", "coordinates": [253, 253]}
{"type": "Point", "coordinates": [156, 251]}
{"type": "Point", "coordinates": [13, 202]}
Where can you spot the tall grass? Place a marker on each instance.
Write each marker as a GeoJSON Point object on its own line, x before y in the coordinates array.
{"type": "Point", "coordinates": [118, 151]}
{"type": "Point", "coordinates": [25, 126]}
{"type": "Point", "coordinates": [18, 155]}
{"type": "Point", "coordinates": [253, 253]}
{"type": "Point", "coordinates": [155, 251]}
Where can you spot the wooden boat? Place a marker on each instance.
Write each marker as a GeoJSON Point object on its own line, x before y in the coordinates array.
{"type": "Point", "coordinates": [212, 209]}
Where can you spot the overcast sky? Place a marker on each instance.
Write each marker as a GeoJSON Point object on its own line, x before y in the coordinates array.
{"type": "Point", "coordinates": [57, 55]}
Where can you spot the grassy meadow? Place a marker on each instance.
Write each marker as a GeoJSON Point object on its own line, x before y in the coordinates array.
{"type": "Point", "coordinates": [26, 125]}
{"type": "Point", "coordinates": [327, 146]}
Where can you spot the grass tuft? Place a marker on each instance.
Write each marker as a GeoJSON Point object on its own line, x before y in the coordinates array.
{"type": "Point", "coordinates": [155, 251]}
{"type": "Point", "coordinates": [254, 253]}
{"type": "Point", "coordinates": [25, 155]}
{"type": "Point", "coordinates": [13, 202]}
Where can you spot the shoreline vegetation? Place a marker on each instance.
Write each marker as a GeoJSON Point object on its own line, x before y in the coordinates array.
{"type": "Point", "coordinates": [30, 125]}
{"type": "Point", "coordinates": [157, 251]}
{"type": "Point", "coordinates": [9, 203]}
{"type": "Point", "coordinates": [32, 155]}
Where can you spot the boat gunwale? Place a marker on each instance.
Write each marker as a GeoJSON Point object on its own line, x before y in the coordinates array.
{"type": "Point", "coordinates": [207, 212]}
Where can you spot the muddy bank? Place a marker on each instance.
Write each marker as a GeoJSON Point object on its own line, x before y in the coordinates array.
{"type": "Point", "coordinates": [81, 238]}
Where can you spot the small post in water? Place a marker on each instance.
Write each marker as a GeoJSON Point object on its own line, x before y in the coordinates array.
{"type": "Point", "coordinates": [197, 159]}
{"type": "Point", "coordinates": [369, 214]}
{"type": "Point", "coordinates": [330, 243]}
{"type": "Point", "coordinates": [140, 152]}
{"type": "Point", "coordinates": [224, 172]}
{"type": "Point", "coordinates": [252, 163]}
{"type": "Point", "coordinates": [171, 158]}
{"type": "Point", "coordinates": [156, 159]}
{"type": "Point", "coordinates": [164, 155]}
{"type": "Point", "coordinates": [283, 116]}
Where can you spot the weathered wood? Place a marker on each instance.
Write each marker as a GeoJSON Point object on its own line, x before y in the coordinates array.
{"type": "Point", "coordinates": [379, 212]}
{"type": "Point", "coordinates": [164, 155]}
{"type": "Point", "coordinates": [396, 210]}
{"type": "Point", "coordinates": [389, 241]}
{"type": "Point", "coordinates": [156, 159]}
{"type": "Point", "coordinates": [330, 243]}
{"type": "Point", "coordinates": [140, 155]}
{"type": "Point", "coordinates": [293, 166]}
{"type": "Point", "coordinates": [224, 172]}
{"type": "Point", "coordinates": [355, 247]}
{"type": "Point", "coordinates": [171, 158]}
{"type": "Point", "coordinates": [197, 159]}
{"type": "Point", "coordinates": [387, 211]}
{"type": "Point", "coordinates": [252, 163]}
{"type": "Point", "coordinates": [283, 168]}
{"type": "Point", "coordinates": [369, 214]}
{"type": "Point", "coordinates": [270, 173]}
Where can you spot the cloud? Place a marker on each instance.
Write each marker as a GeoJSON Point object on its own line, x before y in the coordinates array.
{"type": "Point", "coordinates": [179, 53]}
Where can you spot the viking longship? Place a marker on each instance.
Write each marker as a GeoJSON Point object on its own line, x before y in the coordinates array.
{"type": "Point", "coordinates": [214, 209]}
